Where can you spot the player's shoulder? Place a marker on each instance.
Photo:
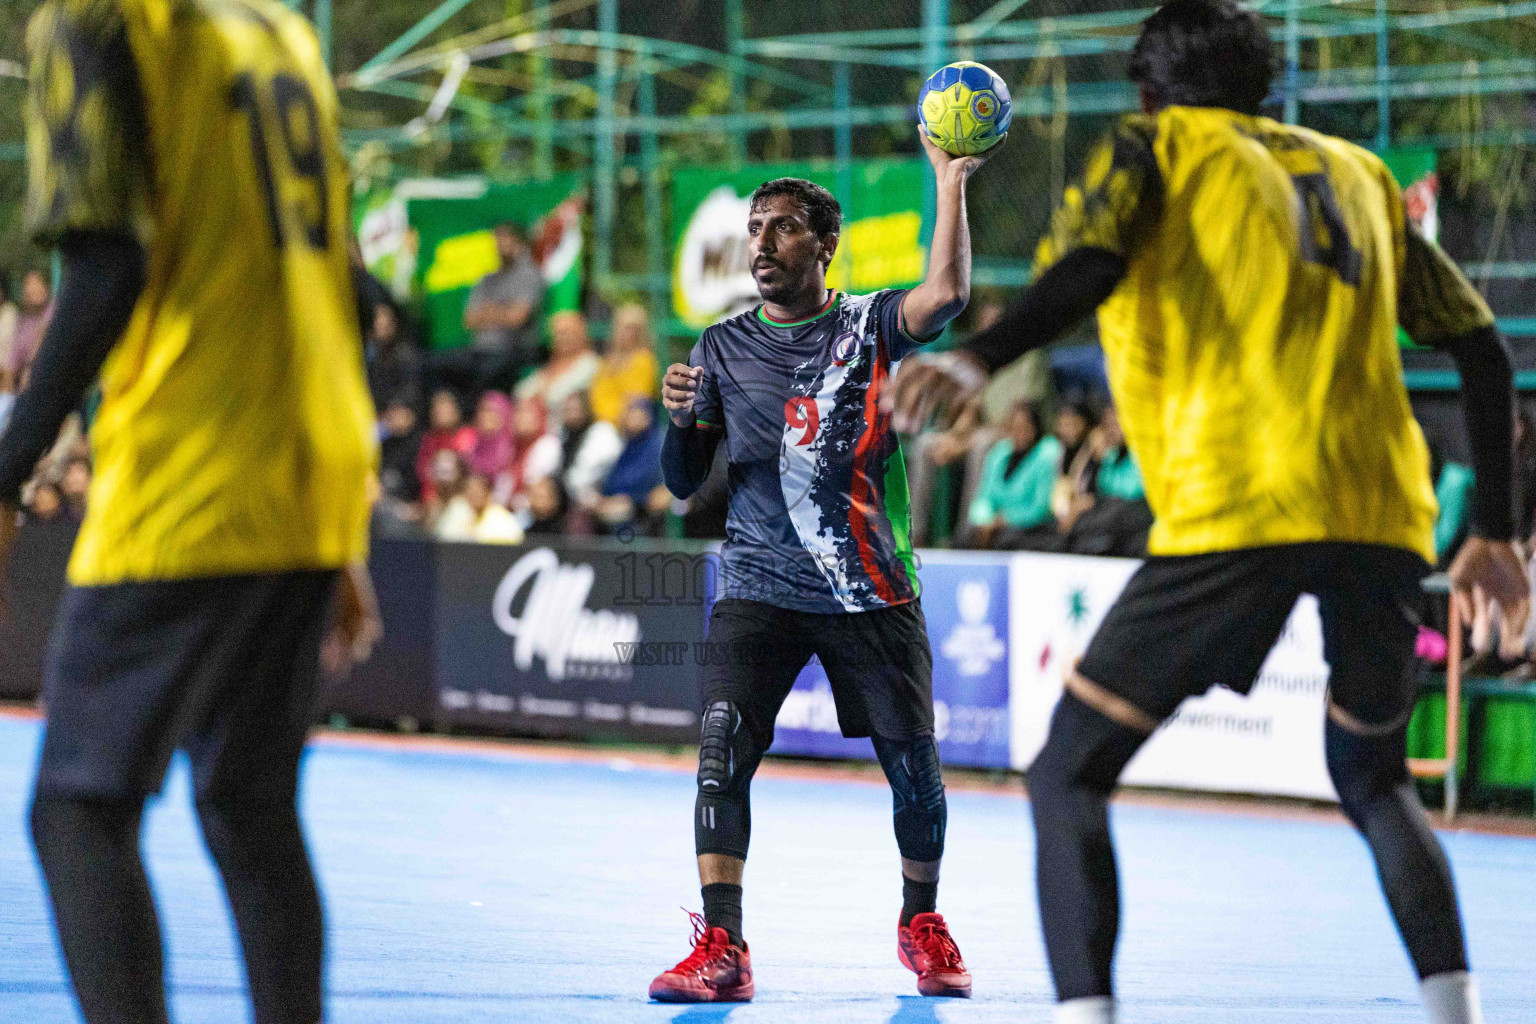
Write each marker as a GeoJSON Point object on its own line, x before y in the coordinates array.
{"type": "Point", "coordinates": [1131, 142]}
{"type": "Point", "coordinates": [70, 22]}
{"type": "Point", "coordinates": [856, 304]}
{"type": "Point", "coordinates": [720, 336]}
{"type": "Point", "coordinates": [1139, 129]}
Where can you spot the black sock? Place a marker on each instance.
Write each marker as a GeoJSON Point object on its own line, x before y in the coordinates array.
{"type": "Point", "coordinates": [722, 909]}
{"type": "Point", "coordinates": [917, 898]}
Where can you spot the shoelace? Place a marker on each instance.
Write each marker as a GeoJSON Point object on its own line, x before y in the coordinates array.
{"type": "Point", "coordinates": [934, 940]}
{"type": "Point", "coordinates": [703, 950]}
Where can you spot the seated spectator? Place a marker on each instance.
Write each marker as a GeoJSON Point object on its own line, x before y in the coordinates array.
{"type": "Point", "coordinates": [1012, 507]}
{"type": "Point", "coordinates": [8, 315]}
{"type": "Point", "coordinates": [572, 363]}
{"type": "Point", "coordinates": [400, 438]}
{"type": "Point", "coordinates": [475, 516]}
{"type": "Point", "coordinates": [502, 314]}
{"type": "Point", "coordinates": [633, 494]}
{"type": "Point", "coordinates": [1113, 517]}
{"type": "Point", "coordinates": [75, 486]}
{"type": "Point", "coordinates": [394, 360]}
{"type": "Point", "coordinates": [46, 504]}
{"type": "Point", "coordinates": [1073, 490]}
{"type": "Point", "coordinates": [535, 453]}
{"type": "Point", "coordinates": [628, 370]}
{"type": "Point", "coordinates": [448, 475]}
{"type": "Point", "coordinates": [491, 454]}
{"type": "Point", "coordinates": [1453, 493]}
{"type": "Point", "coordinates": [546, 507]}
{"type": "Point", "coordinates": [446, 432]}
{"type": "Point", "coordinates": [976, 428]}
{"type": "Point", "coordinates": [31, 322]}
{"type": "Point", "coordinates": [589, 448]}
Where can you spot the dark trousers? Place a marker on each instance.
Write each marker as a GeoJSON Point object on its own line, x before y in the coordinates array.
{"type": "Point", "coordinates": [227, 669]}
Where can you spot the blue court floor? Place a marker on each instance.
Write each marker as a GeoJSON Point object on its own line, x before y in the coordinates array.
{"type": "Point", "coordinates": [487, 886]}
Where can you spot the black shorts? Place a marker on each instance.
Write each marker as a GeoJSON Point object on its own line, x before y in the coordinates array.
{"type": "Point", "coordinates": [1185, 624]}
{"type": "Point", "coordinates": [878, 662]}
{"type": "Point", "coordinates": [226, 668]}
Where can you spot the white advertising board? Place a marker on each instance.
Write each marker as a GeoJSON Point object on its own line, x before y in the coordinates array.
{"type": "Point", "coordinates": [1270, 742]}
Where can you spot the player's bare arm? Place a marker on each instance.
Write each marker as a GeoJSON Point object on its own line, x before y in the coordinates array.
{"type": "Point", "coordinates": [946, 288]}
{"type": "Point", "coordinates": [1075, 276]}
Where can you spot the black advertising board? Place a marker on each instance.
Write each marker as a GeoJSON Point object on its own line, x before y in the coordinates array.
{"type": "Point", "coordinates": [595, 639]}
{"type": "Point", "coordinates": [396, 682]}
{"type": "Point", "coordinates": [31, 588]}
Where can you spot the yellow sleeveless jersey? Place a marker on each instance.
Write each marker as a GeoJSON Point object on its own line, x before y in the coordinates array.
{"type": "Point", "coordinates": [235, 432]}
{"type": "Point", "coordinates": [1252, 346]}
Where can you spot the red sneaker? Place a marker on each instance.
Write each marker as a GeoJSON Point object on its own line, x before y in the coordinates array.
{"type": "Point", "coordinates": [927, 950]}
{"type": "Point", "coordinates": [715, 972]}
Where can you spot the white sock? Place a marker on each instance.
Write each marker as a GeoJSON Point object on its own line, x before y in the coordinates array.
{"type": "Point", "coordinates": [1451, 998]}
{"type": "Point", "coordinates": [1090, 1010]}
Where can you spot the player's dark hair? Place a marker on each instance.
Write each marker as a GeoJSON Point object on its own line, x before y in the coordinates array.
{"type": "Point", "coordinates": [514, 229]}
{"type": "Point", "coordinates": [820, 206]}
{"type": "Point", "coordinates": [1204, 53]}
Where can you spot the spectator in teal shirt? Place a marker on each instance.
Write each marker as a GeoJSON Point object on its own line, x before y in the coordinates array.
{"type": "Point", "coordinates": [1453, 492]}
{"type": "Point", "coordinates": [1112, 518]}
{"type": "Point", "coordinates": [1012, 507]}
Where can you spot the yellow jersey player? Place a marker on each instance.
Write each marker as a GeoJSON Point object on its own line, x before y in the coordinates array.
{"type": "Point", "coordinates": [184, 157]}
{"type": "Point", "coordinates": [1250, 278]}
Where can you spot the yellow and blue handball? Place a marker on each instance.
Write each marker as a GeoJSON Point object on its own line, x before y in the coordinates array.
{"type": "Point", "coordinates": [965, 108]}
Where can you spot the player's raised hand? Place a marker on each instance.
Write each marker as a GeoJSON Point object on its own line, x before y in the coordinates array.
{"type": "Point", "coordinates": [934, 382]}
{"type": "Point", "coordinates": [678, 389]}
{"type": "Point", "coordinates": [1496, 568]}
{"type": "Point", "coordinates": [945, 162]}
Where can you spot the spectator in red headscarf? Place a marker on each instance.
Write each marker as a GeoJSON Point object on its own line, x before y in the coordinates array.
{"type": "Point", "coordinates": [535, 452]}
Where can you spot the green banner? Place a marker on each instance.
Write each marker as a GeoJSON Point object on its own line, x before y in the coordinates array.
{"type": "Point", "coordinates": [881, 244]}
{"type": "Point", "coordinates": [432, 240]}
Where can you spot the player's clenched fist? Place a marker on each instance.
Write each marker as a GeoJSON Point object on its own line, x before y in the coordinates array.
{"type": "Point", "coordinates": [677, 390]}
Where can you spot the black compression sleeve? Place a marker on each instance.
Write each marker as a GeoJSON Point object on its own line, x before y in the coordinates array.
{"type": "Point", "coordinates": [103, 276]}
{"type": "Point", "coordinates": [1488, 400]}
{"type": "Point", "coordinates": [686, 455]}
{"type": "Point", "coordinates": [1057, 302]}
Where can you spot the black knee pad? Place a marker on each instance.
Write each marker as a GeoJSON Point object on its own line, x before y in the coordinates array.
{"type": "Point", "coordinates": [1364, 768]}
{"type": "Point", "coordinates": [917, 795]}
{"type": "Point", "coordinates": [728, 757]}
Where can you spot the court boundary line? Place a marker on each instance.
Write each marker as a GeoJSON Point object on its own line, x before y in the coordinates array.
{"type": "Point", "coordinates": [994, 782]}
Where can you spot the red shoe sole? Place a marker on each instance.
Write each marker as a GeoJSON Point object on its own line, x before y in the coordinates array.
{"type": "Point", "coordinates": [932, 986]}
{"type": "Point", "coordinates": [667, 994]}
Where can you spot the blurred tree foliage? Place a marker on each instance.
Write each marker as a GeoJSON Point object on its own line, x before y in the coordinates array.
{"type": "Point", "coordinates": [1041, 156]}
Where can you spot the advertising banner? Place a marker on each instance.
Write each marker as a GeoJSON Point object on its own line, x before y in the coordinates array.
{"type": "Point", "coordinates": [432, 240]}
{"type": "Point", "coordinates": [569, 640]}
{"type": "Point", "coordinates": [1270, 742]}
{"type": "Point", "coordinates": [965, 600]}
{"type": "Point", "coordinates": [880, 246]}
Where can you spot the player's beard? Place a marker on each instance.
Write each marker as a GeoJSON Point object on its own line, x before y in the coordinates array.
{"type": "Point", "coordinates": [789, 284]}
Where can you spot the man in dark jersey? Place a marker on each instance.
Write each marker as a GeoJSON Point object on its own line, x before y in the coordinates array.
{"type": "Point", "coordinates": [817, 559]}
{"type": "Point", "coordinates": [1250, 279]}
